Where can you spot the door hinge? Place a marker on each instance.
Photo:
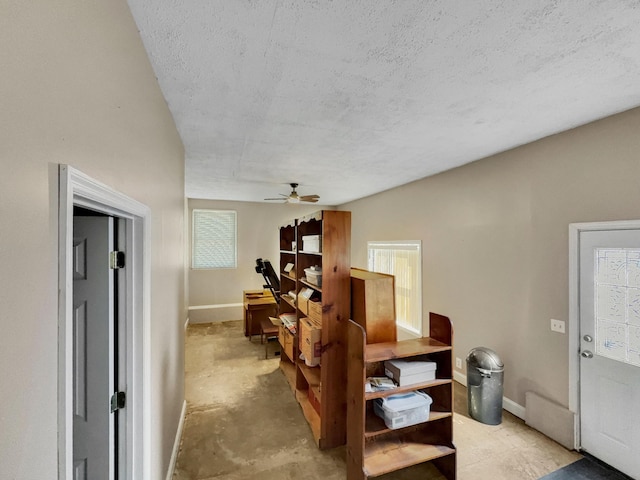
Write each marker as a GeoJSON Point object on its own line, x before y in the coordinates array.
{"type": "Point", "coordinates": [118, 401]}
{"type": "Point", "coordinates": [116, 260]}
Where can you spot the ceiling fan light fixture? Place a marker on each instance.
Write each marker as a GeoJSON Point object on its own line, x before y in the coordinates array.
{"type": "Point", "coordinates": [293, 197]}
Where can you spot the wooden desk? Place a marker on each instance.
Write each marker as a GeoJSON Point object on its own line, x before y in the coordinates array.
{"type": "Point", "coordinates": [258, 305]}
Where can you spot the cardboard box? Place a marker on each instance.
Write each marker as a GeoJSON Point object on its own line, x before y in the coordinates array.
{"type": "Point", "coordinates": [303, 300]}
{"type": "Point", "coordinates": [303, 305]}
{"type": "Point", "coordinates": [312, 243]}
{"type": "Point", "coordinates": [285, 337]}
{"type": "Point", "coordinates": [408, 372]}
{"type": "Point", "coordinates": [314, 397]}
{"type": "Point", "coordinates": [310, 341]}
{"type": "Point", "coordinates": [314, 311]}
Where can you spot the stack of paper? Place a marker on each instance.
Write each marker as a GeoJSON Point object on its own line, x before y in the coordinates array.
{"type": "Point", "coordinates": [289, 321]}
{"type": "Point", "coordinates": [380, 383]}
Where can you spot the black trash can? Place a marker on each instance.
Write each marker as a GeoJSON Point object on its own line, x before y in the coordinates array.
{"type": "Point", "coordinates": [485, 376]}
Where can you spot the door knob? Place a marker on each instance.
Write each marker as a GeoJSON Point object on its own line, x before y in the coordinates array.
{"type": "Point", "coordinates": [587, 354]}
{"type": "Point", "coordinates": [588, 338]}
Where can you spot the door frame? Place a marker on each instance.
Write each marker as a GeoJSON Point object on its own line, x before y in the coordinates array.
{"type": "Point", "coordinates": [574, 308]}
{"type": "Point", "coordinates": [76, 188]}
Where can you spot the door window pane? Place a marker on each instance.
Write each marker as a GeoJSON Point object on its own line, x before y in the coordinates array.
{"type": "Point", "coordinates": [617, 304]}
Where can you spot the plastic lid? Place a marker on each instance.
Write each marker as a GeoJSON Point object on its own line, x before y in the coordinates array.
{"type": "Point", "coordinates": [486, 359]}
{"type": "Point", "coordinates": [408, 367]}
{"type": "Point", "coordinates": [406, 401]}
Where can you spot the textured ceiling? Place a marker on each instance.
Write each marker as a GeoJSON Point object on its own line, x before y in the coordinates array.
{"type": "Point", "coordinates": [350, 98]}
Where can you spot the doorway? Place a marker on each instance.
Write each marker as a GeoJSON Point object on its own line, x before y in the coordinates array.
{"type": "Point", "coordinates": [95, 347]}
{"type": "Point", "coordinates": [605, 341]}
{"type": "Point", "coordinates": [130, 363]}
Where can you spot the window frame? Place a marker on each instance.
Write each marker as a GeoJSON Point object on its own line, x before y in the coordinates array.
{"type": "Point", "coordinates": [233, 263]}
{"type": "Point", "coordinates": [415, 327]}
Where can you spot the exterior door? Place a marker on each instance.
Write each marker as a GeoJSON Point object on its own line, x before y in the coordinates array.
{"type": "Point", "coordinates": [93, 349]}
{"type": "Point", "coordinates": [610, 347]}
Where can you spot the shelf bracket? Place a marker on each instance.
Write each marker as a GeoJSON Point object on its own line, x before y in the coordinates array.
{"type": "Point", "coordinates": [325, 347]}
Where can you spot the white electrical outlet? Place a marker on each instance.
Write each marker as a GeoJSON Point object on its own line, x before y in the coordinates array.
{"type": "Point", "coordinates": [458, 363]}
{"type": "Point", "coordinates": [557, 325]}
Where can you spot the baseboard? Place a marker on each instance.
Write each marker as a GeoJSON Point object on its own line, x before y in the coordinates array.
{"type": "Point", "coordinates": [215, 313]}
{"type": "Point", "coordinates": [213, 307]}
{"type": "Point", "coordinates": [507, 404]}
{"type": "Point", "coordinates": [460, 377]}
{"type": "Point", "coordinates": [514, 408]}
{"type": "Point", "coordinates": [176, 443]}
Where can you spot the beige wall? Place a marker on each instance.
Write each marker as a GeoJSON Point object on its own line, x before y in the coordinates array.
{"type": "Point", "coordinates": [257, 238]}
{"type": "Point", "coordinates": [77, 88]}
{"type": "Point", "coordinates": [495, 241]}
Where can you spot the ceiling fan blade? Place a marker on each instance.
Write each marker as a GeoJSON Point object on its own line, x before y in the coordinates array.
{"type": "Point", "coordinates": [293, 197]}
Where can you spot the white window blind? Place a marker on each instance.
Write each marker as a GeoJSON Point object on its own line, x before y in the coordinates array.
{"type": "Point", "coordinates": [213, 239]}
{"type": "Point", "coordinates": [403, 259]}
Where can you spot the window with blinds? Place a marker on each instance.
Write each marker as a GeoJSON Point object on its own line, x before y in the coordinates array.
{"type": "Point", "coordinates": [403, 259]}
{"type": "Point", "coordinates": [213, 239]}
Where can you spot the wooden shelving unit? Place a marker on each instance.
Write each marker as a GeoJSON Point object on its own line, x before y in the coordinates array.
{"type": "Point", "coordinates": [320, 390]}
{"type": "Point", "coordinates": [372, 448]}
{"type": "Point", "coordinates": [288, 341]}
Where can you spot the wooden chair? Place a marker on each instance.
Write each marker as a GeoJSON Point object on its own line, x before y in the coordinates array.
{"type": "Point", "coordinates": [268, 331]}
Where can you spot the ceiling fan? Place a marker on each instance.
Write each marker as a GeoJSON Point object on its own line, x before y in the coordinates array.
{"type": "Point", "coordinates": [293, 197]}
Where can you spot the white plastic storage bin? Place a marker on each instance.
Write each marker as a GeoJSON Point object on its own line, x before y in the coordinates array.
{"type": "Point", "coordinates": [314, 275]}
{"type": "Point", "coordinates": [403, 410]}
{"type": "Point", "coordinates": [312, 243]}
{"type": "Point", "coordinates": [408, 372]}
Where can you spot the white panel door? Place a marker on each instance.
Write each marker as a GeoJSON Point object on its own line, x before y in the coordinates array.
{"type": "Point", "coordinates": [610, 347]}
{"type": "Point", "coordinates": [93, 362]}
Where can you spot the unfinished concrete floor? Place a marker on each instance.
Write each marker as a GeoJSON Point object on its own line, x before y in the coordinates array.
{"type": "Point", "coordinates": [243, 422]}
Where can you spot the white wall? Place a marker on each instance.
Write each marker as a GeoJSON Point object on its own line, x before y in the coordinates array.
{"type": "Point", "coordinates": [495, 241]}
{"type": "Point", "coordinates": [77, 88]}
{"type": "Point", "coordinates": [258, 237]}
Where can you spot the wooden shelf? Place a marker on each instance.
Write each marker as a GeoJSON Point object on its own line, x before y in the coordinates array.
{"type": "Point", "coordinates": [288, 300]}
{"type": "Point", "coordinates": [376, 352]}
{"type": "Point", "coordinates": [310, 285]}
{"type": "Point", "coordinates": [310, 414]}
{"type": "Point", "coordinates": [375, 426]}
{"type": "Point", "coordinates": [319, 254]}
{"type": "Point", "coordinates": [329, 427]}
{"type": "Point", "coordinates": [387, 456]}
{"type": "Point", "coordinates": [408, 388]}
{"type": "Point", "coordinates": [311, 374]}
{"type": "Point", "coordinates": [285, 275]}
{"type": "Point", "coordinates": [289, 371]}
{"type": "Point", "coordinates": [373, 449]}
